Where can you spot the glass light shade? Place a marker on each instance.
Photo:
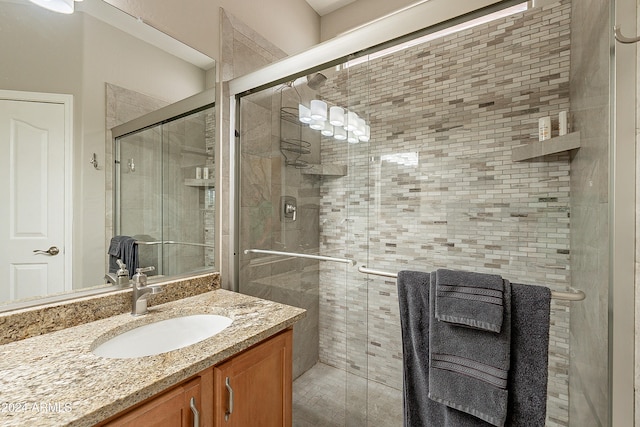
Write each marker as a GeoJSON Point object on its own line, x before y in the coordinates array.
{"type": "Point", "coordinates": [60, 6]}
{"type": "Point", "coordinates": [339, 133]}
{"type": "Point", "coordinates": [336, 116]}
{"type": "Point", "coordinates": [351, 123]}
{"type": "Point", "coordinates": [359, 130]}
{"type": "Point", "coordinates": [316, 124]}
{"type": "Point", "coordinates": [328, 129]}
{"type": "Point", "coordinates": [318, 110]}
{"type": "Point", "coordinates": [304, 114]}
{"type": "Point", "coordinates": [352, 138]}
{"type": "Point", "coordinates": [367, 134]}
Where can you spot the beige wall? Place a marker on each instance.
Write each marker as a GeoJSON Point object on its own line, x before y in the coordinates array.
{"type": "Point", "coordinates": [292, 25]}
{"type": "Point", "coordinates": [93, 54]}
{"type": "Point", "coordinates": [364, 11]}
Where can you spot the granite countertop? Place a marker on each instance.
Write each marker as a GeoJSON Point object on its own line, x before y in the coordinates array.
{"type": "Point", "coordinates": [55, 379]}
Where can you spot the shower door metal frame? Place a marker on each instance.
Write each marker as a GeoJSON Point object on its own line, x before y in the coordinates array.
{"type": "Point", "coordinates": [622, 201]}
{"type": "Point", "coordinates": [421, 18]}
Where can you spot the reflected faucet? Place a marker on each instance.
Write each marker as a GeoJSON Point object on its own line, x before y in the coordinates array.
{"type": "Point", "coordinates": [140, 291]}
{"type": "Point", "coordinates": [121, 277]}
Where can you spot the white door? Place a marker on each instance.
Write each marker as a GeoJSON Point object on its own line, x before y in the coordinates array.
{"type": "Point", "coordinates": [32, 198]}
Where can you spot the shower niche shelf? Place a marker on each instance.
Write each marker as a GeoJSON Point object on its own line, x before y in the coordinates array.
{"type": "Point", "coordinates": [192, 182]}
{"type": "Point", "coordinates": [325, 170]}
{"type": "Point", "coordinates": [538, 151]}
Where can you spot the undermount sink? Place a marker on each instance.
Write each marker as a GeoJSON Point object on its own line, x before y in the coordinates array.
{"type": "Point", "coordinates": [163, 336]}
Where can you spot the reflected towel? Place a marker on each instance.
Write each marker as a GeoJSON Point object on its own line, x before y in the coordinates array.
{"type": "Point", "coordinates": [469, 368]}
{"type": "Point", "coordinates": [470, 299]}
{"type": "Point", "coordinates": [125, 249]}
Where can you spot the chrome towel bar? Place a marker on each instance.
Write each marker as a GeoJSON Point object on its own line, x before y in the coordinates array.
{"type": "Point", "coordinates": [572, 295]}
{"type": "Point", "coordinates": [299, 255]}
{"type": "Point", "coordinates": [171, 242]}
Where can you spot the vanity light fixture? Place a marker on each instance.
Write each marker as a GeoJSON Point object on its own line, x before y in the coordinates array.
{"type": "Point", "coordinates": [304, 114]}
{"type": "Point", "coordinates": [60, 6]}
{"type": "Point", "coordinates": [316, 124]}
{"type": "Point", "coordinates": [340, 123]}
{"type": "Point", "coordinates": [352, 138]}
{"type": "Point", "coordinates": [336, 116]}
{"type": "Point", "coordinates": [327, 130]}
{"type": "Point", "coordinates": [339, 133]}
{"type": "Point", "coordinates": [318, 110]}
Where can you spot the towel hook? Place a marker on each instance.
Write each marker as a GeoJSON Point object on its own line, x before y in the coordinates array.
{"type": "Point", "coordinates": [94, 161]}
{"type": "Point", "coordinates": [622, 39]}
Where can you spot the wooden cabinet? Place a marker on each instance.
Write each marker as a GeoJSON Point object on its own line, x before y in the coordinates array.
{"type": "Point", "coordinates": [182, 406]}
{"type": "Point", "coordinates": [258, 395]}
{"type": "Point", "coordinates": [254, 387]}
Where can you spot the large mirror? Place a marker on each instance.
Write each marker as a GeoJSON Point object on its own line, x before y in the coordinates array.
{"type": "Point", "coordinates": [71, 79]}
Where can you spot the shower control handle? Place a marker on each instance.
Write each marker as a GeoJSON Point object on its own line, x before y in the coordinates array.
{"type": "Point", "coordinates": [290, 211]}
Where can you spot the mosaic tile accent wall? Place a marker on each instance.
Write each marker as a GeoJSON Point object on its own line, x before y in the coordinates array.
{"type": "Point", "coordinates": [436, 186]}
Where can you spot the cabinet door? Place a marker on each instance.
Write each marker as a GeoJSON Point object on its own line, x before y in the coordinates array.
{"type": "Point", "coordinates": [254, 387]}
{"type": "Point", "coordinates": [170, 409]}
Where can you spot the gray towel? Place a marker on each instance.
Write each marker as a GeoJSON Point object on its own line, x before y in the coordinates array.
{"type": "Point", "coordinates": [471, 299]}
{"type": "Point", "coordinates": [125, 249]}
{"type": "Point", "coordinates": [469, 368]}
{"type": "Point", "coordinates": [530, 312]}
{"type": "Point", "coordinates": [529, 357]}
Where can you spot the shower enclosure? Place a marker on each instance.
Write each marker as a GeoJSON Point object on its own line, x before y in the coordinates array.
{"type": "Point", "coordinates": [444, 170]}
{"type": "Point", "coordinates": [164, 186]}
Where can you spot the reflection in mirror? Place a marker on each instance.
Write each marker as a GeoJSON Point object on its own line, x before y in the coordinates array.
{"type": "Point", "coordinates": [174, 157]}
{"type": "Point", "coordinates": [94, 69]}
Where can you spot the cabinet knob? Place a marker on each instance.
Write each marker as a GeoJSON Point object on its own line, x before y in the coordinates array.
{"type": "Point", "coordinates": [228, 413]}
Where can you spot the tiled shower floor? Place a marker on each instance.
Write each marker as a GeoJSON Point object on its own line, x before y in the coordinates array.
{"type": "Point", "coordinates": [319, 400]}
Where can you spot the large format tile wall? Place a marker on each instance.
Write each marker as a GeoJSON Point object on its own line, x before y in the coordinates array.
{"type": "Point", "coordinates": [264, 179]}
{"type": "Point", "coordinates": [590, 88]}
{"type": "Point", "coordinates": [436, 186]}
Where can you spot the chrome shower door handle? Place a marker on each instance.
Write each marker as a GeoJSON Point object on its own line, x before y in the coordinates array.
{"type": "Point", "coordinates": [53, 251]}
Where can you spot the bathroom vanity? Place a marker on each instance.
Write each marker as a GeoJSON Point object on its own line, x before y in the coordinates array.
{"type": "Point", "coordinates": [243, 371]}
{"type": "Point", "coordinates": [253, 387]}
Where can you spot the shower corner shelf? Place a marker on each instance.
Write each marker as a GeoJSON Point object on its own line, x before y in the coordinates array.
{"type": "Point", "coordinates": [325, 170]}
{"type": "Point", "coordinates": [192, 182]}
{"type": "Point", "coordinates": [539, 150]}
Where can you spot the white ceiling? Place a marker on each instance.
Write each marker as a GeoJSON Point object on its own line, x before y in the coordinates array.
{"type": "Point", "coordinates": [324, 7]}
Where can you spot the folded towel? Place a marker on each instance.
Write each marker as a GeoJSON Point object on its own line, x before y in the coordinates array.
{"type": "Point", "coordinates": [469, 368]}
{"type": "Point", "coordinates": [530, 310]}
{"type": "Point", "coordinates": [527, 383]}
{"type": "Point", "coordinates": [125, 249]}
{"type": "Point", "coordinates": [470, 299]}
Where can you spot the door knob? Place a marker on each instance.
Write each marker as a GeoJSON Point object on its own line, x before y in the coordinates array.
{"type": "Point", "coordinates": [53, 250]}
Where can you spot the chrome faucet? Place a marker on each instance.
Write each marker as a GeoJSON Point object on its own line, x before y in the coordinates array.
{"type": "Point", "coordinates": [140, 291]}
{"type": "Point", "coordinates": [121, 277]}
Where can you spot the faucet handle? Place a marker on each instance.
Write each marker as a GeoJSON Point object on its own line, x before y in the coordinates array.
{"type": "Point", "coordinates": [140, 278]}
